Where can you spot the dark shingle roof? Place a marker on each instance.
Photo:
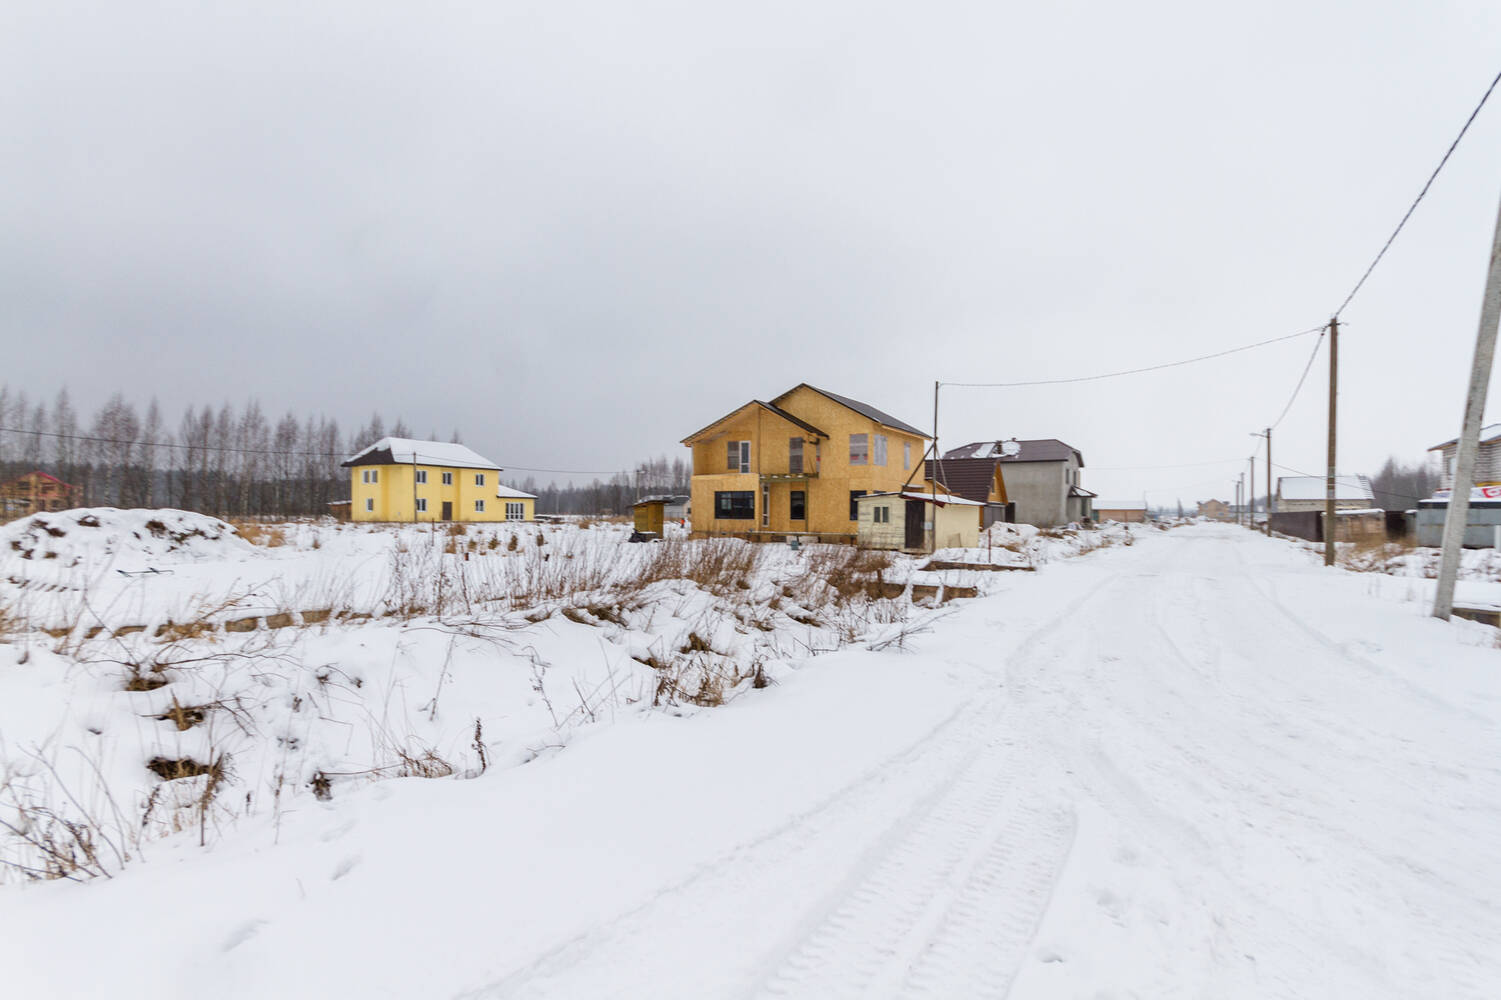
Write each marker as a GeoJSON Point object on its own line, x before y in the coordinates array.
{"type": "Point", "coordinates": [1034, 450]}
{"type": "Point", "coordinates": [864, 409]}
{"type": "Point", "coordinates": [970, 478]}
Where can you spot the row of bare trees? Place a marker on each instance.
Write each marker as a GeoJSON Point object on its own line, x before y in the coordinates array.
{"type": "Point", "coordinates": [240, 461]}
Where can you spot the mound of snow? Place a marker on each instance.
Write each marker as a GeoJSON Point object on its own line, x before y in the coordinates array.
{"type": "Point", "coordinates": [92, 536]}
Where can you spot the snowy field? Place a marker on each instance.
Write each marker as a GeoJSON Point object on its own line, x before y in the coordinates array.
{"type": "Point", "coordinates": [1198, 764]}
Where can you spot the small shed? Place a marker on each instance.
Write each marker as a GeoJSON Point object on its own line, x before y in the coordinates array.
{"type": "Point", "coordinates": [652, 513]}
{"type": "Point", "coordinates": [1126, 511]}
{"type": "Point", "coordinates": [919, 522]}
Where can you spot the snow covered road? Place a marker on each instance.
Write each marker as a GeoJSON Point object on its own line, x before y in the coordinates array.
{"type": "Point", "coordinates": [1199, 766]}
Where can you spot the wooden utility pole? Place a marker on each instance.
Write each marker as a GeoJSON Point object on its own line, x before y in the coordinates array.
{"type": "Point", "coordinates": [1469, 439]}
{"type": "Point", "coordinates": [1330, 530]}
{"type": "Point", "coordinates": [1251, 492]}
{"type": "Point", "coordinates": [1269, 482]}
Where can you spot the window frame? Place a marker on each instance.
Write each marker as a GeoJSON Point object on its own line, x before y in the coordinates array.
{"type": "Point", "coordinates": [422, 505]}
{"type": "Point", "coordinates": [515, 510]}
{"type": "Point", "coordinates": [878, 450]}
{"type": "Point", "coordinates": [906, 455]}
{"type": "Point", "coordinates": [740, 507]}
{"type": "Point", "coordinates": [370, 505]}
{"type": "Point", "coordinates": [795, 456]}
{"type": "Point", "coordinates": [421, 477]}
{"type": "Point", "coordinates": [479, 479]}
{"type": "Point", "coordinates": [448, 479]}
{"type": "Point", "coordinates": [862, 456]}
{"type": "Point", "coordinates": [479, 506]}
{"type": "Point", "coordinates": [741, 462]}
{"type": "Point", "coordinates": [797, 505]}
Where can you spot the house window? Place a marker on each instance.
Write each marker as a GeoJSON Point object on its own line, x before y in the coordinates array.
{"type": "Point", "coordinates": [479, 506]}
{"type": "Point", "coordinates": [515, 511]}
{"type": "Point", "coordinates": [859, 449]}
{"type": "Point", "coordinates": [370, 476]}
{"type": "Point", "coordinates": [855, 496]}
{"type": "Point", "coordinates": [448, 479]}
{"type": "Point", "coordinates": [422, 476]}
{"type": "Point", "coordinates": [795, 456]}
{"type": "Point", "coordinates": [738, 456]}
{"type": "Point", "coordinates": [881, 515]}
{"type": "Point", "coordinates": [422, 505]}
{"type": "Point", "coordinates": [375, 475]}
{"type": "Point", "coordinates": [906, 455]}
{"type": "Point", "coordinates": [765, 505]}
{"type": "Point", "coordinates": [735, 505]}
{"type": "Point", "coordinates": [798, 505]}
{"type": "Point", "coordinates": [879, 458]}
{"type": "Point", "coordinates": [479, 479]}
{"type": "Point", "coordinates": [369, 503]}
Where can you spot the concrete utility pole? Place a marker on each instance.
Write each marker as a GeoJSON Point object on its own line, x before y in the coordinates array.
{"type": "Point", "coordinates": [1330, 531]}
{"type": "Point", "coordinates": [1458, 515]}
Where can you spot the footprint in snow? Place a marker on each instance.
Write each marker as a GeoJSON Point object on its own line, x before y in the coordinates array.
{"type": "Point", "coordinates": [345, 867]}
{"type": "Point", "coordinates": [243, 933]}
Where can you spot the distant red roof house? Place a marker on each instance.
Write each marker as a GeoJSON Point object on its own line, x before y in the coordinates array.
{"type": "Point", "coordinates": [34, 493]}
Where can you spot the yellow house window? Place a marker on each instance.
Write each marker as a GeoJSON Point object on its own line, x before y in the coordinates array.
{"type": "Point", "coordinates": [738, 456]}
{"type": "Point", "coordinates": [479, 480]}
{"type": "Point", "coordinates": [906, 455]}
{"type": "Point", "coordinates": [422, 505]}
{"type": "Point", "coordinates": [859, 449]}
{"type": "Point", "coordinates": [422, 477]}
{"type": "Point", "coordinates": [369, 503]}
{"type": "Point", "coordinates": [515, 511]}
{"type": "Point", "coordinates": [479, 505]}
{"type": "Point", "coordinates": [880, 449]}
{"type": "Point", "coordinates": [448, 479]}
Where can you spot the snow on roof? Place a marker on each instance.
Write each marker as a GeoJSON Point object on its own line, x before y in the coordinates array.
{"type": "Point", "coordinates": [1120, 505]}
{"type": "Point", "coordinates": [505, 492]}
{"type": "Point", "coordinates": [1312, 488]}
{"type": "Point", "coordinates": [941, 498]}
{"type": "Point", "coordinates": [1030, 450]}
{"type": "Point", "coordinates": [408, 451]}
{"type": "Point", "coordinates": [1488, 433]}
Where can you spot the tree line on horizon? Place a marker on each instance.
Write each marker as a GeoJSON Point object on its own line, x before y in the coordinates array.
{"type": "Point", "coordinates": [241, 462]}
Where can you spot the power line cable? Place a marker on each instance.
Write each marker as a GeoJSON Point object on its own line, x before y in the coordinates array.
{"type": "Point", "coordinates": [1130, 371]}
{"type": "Point", "coordinates": [1301, 379]}
{"type": "Point", "coordinates": [1413, 207]}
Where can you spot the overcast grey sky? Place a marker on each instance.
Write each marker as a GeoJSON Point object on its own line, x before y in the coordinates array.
{"type": "Point", "coordinates": [580, 231]}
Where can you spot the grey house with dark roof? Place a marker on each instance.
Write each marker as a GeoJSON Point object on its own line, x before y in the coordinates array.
{"type": "Point", "coordinates": [1042, 479]}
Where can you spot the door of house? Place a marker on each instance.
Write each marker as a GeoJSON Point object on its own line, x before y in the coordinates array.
{"type": "Point", "coordinates": [914, 524]}
{"type": "Point", "coordinates": [448, 510]}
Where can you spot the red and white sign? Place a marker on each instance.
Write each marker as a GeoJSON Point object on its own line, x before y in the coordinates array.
{"type": "Point", "coordinates": [1476, 493]}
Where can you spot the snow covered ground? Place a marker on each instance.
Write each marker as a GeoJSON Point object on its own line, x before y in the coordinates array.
{"type": "Point", "coordinates": [1197, 765]}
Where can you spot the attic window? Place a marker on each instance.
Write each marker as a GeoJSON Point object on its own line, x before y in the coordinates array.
{"type": "Point", "coordinates": [859, 449]}
{"type": "Point", "coordinates": [879, 458]}
{"type": "Point", "coordinates": [479, 480]}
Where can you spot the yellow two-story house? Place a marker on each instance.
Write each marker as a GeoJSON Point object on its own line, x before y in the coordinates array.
{"type": "Point", "coordinates": [798, 464]}
{"type": "Point", "coordinates": [399, 479]}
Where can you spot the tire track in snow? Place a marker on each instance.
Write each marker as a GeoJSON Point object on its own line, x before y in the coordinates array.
{"type": "Point", "coordinates": [949, 908]}
{"type": "Point", "coordinates": [911, 784]}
